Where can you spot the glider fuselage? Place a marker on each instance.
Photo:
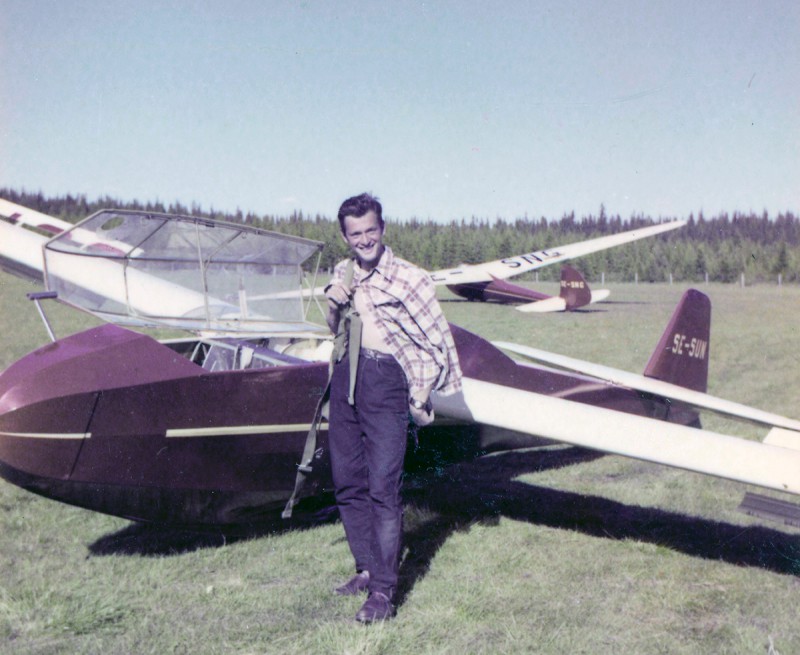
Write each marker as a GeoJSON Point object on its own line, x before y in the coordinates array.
{"type": "Point", "coordinates": [117, 422]}
{"type": "Point", "coordinates": [498, 291]}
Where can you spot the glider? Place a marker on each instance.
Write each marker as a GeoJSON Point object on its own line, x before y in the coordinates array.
{"type": "Point", "coordinates": [211, 429]}
{"type": "Point", "coordinates": [487, 281]}
{"type": "Point", "coordinates": [574, 293]}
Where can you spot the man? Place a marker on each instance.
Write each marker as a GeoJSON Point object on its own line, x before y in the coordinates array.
{"type": "Point", "coordinates": [406, 351]}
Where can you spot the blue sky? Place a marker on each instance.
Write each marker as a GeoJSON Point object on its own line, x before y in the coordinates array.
{"type": "Point", "coordinates": [443, 109]}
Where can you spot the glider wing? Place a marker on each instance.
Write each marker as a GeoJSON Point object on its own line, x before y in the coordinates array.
{"type": "Point", "coordinates": [512, 266]}
{"type": "Point", "coordinates": [764, 464]}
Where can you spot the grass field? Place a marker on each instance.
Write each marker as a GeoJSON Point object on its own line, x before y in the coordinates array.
{"type": "Point", "coordinates": [553, 551]}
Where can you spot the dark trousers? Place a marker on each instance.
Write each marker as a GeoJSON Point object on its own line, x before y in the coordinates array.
{"type": "Point", "coordinates": [367, 444]}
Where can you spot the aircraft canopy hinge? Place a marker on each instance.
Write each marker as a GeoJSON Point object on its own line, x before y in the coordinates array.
{"type": "Point", "coordinates": [771, 508]}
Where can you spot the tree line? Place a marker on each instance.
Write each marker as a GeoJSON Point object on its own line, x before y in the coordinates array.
{"type": "Point", "coordinates": [718, 248]}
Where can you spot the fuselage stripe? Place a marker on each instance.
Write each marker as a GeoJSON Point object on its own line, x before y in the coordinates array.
{"type": "Point", "coordinates": [232, 430]}
{"type": "Point", "coordinates": [47, 435]}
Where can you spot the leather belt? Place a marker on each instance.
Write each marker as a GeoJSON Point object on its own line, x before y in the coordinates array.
{"type": "Point", "coordinates": [375, 354]}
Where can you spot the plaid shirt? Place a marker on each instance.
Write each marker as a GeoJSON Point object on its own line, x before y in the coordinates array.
{"type": "Point", "coordinates": [410, 320]}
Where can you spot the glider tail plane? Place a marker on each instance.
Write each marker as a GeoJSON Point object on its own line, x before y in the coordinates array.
{"type": "Point", "coordinates": [574, 289]}
{"type": "Point", "coordinates": [681, 356]}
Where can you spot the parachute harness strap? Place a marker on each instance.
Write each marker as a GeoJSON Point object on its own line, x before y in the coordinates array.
{"type": "Point", "coordinates": [349, 330]}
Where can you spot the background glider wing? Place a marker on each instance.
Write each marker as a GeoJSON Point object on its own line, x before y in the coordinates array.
{"type": "Point", "coordinates": [512, 266]}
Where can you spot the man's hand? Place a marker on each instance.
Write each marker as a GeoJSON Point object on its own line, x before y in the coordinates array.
{"type": "Point", "coordinates": [337, 295]}
{"type": "Point", "coordinates": [422, 416]}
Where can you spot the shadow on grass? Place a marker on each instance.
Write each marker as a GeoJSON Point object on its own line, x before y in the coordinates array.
{"type": "Point", "coordinates": [157, 540]}
{"type": "Point", "coordinates": [485, 490]}
{"type": "Point", "coordinates": [586, 310]}
{"type": "Point", "coordinates": [499, 303]}
{"type": "Point", "coordinates": [624, 302]}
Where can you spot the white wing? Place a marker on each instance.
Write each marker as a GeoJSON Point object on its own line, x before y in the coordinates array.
{"type": "Point", "coordinates": [552, 304]}
{"type": "Point", "coordinates": [30, 217]}
{"type": "Point", "coordinates": [764, 464]}
{"type": "Point", "coordinates": [511, 266]}
{"type": "Point", "coordinates": [19, 215]}
{"type": "Point", "coordinates": [652, 385]}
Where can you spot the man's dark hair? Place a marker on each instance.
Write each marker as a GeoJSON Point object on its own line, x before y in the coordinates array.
{"type": "Point", "coordinates": [358, 206]}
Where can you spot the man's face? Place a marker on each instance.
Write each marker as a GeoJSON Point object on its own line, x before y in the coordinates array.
{"type": "Point", "coordinates": [364, 235]}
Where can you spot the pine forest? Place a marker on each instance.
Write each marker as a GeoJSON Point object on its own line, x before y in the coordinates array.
{"type": "Point", "coordinates": [735, 248]}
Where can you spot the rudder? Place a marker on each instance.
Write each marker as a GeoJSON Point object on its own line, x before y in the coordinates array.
{"type": "Point", "coordinates": [681, 356]}
{"type": "Point", "coordinates": [574, 289]}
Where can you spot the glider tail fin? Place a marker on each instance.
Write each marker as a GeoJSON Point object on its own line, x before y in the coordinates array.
{"type": "Point", "coordinates": [574, 288]}
{"type": "Point", "coordinates": [681, 356]}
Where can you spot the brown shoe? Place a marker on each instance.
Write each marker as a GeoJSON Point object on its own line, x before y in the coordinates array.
{"type": "Point", "coordinates": [354, 585]}
{"type": "Point", "coordinates": [377, 607]}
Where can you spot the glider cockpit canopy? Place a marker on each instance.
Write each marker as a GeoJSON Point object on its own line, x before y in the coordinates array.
{"type": "Point", "coordinates": [148, 269]}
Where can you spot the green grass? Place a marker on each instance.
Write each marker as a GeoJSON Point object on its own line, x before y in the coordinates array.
{"type": "Point", "coordinates": [553, 551]}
